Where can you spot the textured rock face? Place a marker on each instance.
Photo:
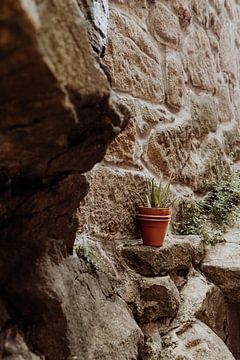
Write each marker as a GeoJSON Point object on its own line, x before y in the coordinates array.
{"type": "Point", "coordinates": [58, 114]}
{"type": "Point", "coordinates": [13, 346]}
{"type": "Point", "coordinates": [176, 67]}
{"type": "Point", "coordinates": [159, 297]}
{"type": "Point", "coordinates": [194, 341]}
{"type": "Point", "coordinates": [109, 188]}
{"type": "Point", "coordinates": [203, 300]}
{"type": "Point", "coordinates": [175, 254]}
{"type": "Point", "coordinates": [221, 265]}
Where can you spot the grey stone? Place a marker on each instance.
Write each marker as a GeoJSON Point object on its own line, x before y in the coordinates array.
{"type": "Point", "coordinates": [159, 297]}
{"type": "Point", "coordinates": [194, 340]}
{"type": "Point", "coordinates": [222, 266]}
{"type": "Point", "coordinates": [176, 253]}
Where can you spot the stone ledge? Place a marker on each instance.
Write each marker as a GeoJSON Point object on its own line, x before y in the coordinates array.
{"type": "Point", "coordinates": [222, 266]}
{"type": "Point", "coordinates": [177, 253]}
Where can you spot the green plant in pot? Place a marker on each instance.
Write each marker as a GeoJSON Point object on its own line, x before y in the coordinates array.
{"type": "Point", "coordinates": [155, 213]}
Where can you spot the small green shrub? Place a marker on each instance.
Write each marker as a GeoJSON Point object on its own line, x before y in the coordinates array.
{"type": "Point", "coordinates": [211, 216]}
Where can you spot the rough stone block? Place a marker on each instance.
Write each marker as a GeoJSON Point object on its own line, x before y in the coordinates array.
{"type": "Point", "coordinates": [201, 10]}
{"type": "Point", "coordinates": [123, 148]}
{"type": "Point", "coordinates": [176, 253]}
{"type": "Point", "coordinates": [194, 340]}
{"type": "Point", "coordinates": [133, 59]}
{"type": "Point", "coordinates": [175, 81]}
{"type": "Point", "coordinates": [152, 342]}
{"type": "Point", "coordinates": [222, 266]}
{"type": "Point", "coordinates": [159, 297]}
{"type": "Point", "coordinates": [205, 301]}
{"type": "Point", "coordinates": [164, 25]}
{"type": "Point", "coordinates": [199, 59]}
{"type": "Point", "coordinates": [108, 211]}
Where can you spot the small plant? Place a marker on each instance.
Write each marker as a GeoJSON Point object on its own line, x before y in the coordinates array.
{"type": "Point", "coordinates": [211, 217]}
{"type": "Point", "coordinates": [159, 195]}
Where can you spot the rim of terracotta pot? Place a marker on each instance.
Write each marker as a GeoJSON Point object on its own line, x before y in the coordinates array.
{"type": "Point", "coordinates": [152, 216]}
{"type": "Point", "coordinates": [154, 210]}
{"type": "Point", "coordinates": [156, 220]}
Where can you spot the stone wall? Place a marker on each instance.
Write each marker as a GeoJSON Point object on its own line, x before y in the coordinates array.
{"type": "Point", "coordinates": [175, 65]}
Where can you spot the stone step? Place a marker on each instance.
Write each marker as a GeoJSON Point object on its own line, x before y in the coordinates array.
{"type": "Point", "coordinates": [221, 265]}
{"type": "Point", "coordinates": [177, 253]}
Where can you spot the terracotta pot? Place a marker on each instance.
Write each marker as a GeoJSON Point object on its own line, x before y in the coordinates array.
{"type": "Point", "coordinates": [154, 211]}
{"type": "Point", "coordinates": [154, 224]}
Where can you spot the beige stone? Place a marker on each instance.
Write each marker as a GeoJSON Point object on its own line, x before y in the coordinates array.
{"type": "Point", "coordinates": [230, 8]}
{"type": "Point", "coordinates": [150, 115]}
{"type": "Point", "coordinates": [201, 10]}
{"type": "Point", "coordinates": [228, 53]}
{"type": "Point", "coordinates": [175, 81]}
{"type": "Point", "coordinates": [199, 59]}
{"type": "Point", "coordinates": [205, 301]}
{"type": "Point", "coordinates": [159, 297]}
{"type": "Point", "coordinates": [177, 253]}
{"type": "Point", "coordinates": [222, 266]}
{"type": "Point", "coordinates": [164, 25]}
{"type": "Point", "coordinates": [231, 138]}
{"type": "Point", "coordinates": [182, 8]}
{"type": "Point", "coordinates": [153, 343]}
{"type": "Point", "coordinates": [194, 340]}
{"type": "Point", "coordinates": [225, 112]}
{"type": "Point", "coordinates": [123, 147]}
{"type": "Point", "coordinates": [218, 4]}
{"type": "Point", "coordinates": [133, 59]}
{"type": "Point", "coordinates": [176, 151]}
{"type": "Point", "coordinates": [108, 211]}
{"type": "Point", "coordinates": [204, 117]}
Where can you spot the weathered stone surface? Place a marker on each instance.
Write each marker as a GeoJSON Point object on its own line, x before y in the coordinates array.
{"type": "Point", "coordinates": [123, 148]}
{"type": "Point", "coordinates": [224, 104]}
{"type": "Point", "coordinates": [203, 300]}
{"type": "Point", "coordinates": [228, 53]}
{"type": "Point", "coordinates": [79, 306]}
{"type": "Point", "coordinates": [194, 340]}
{"type": "Point", "coordinates": [164, 25]}
{"type": "Point", "coordinates": [152, 342]}
{"type": "Point", "coordinates": [233, 234]}
{"type": "Point", "coordinates": [133, 59]}
{"type": "Point", "coordinates": [108, 212]}
{"type": "Point", "coordinates": [176, 253]}
{"type": "Point", "coordinates": [199, 60]}
{"type": "Point", "coordinates": [201, 9]}
{"type": "Point", "coordinates": [47, 123]}
{"type": "Point", "coordinates": [231, 139]}
{"type": "Point", "coordinates": [222, 266]}
{"type": "Point", "coordinates": [95, 256]}
{"type": "Point", "coordinates": [175, 81]}
{"type": "Point", "coordinates": [218, 4]}
{"type": "Point", "coordinates": [204, 117]}
{"type": "Point", "coordinates": [159, 298]}
{"type": "Point", "coordinates": [182, 8]}
{"type": "Point", "coordinates": [150, 115]}
{"type": "Point", "coordinates": [174, 151]}
{"type": "Point", "coordinates": [13, 346]}
{"type": "Point", "coordinates": [169, 150]}
{"type": "Point", "coordinates": [58, 115]}
{"type": "Point", "coordinates": [96, 12]}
